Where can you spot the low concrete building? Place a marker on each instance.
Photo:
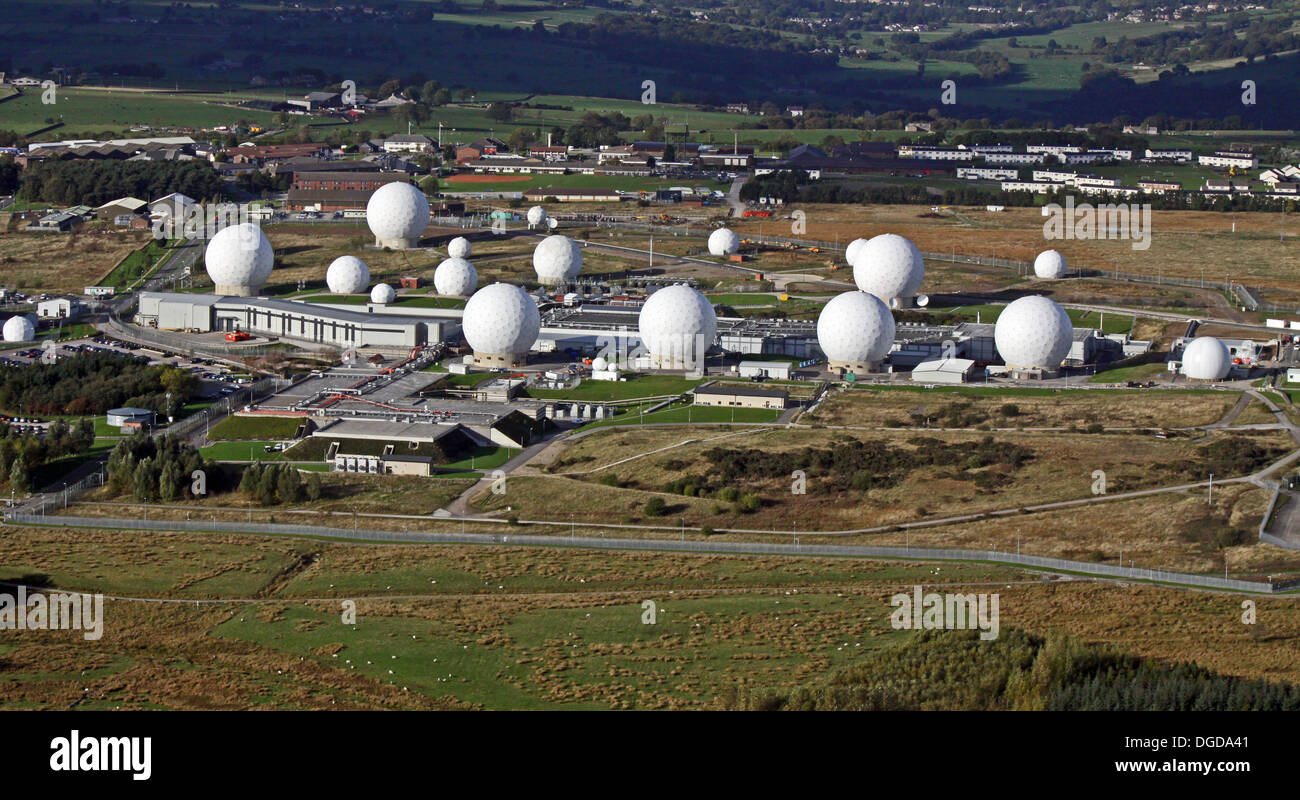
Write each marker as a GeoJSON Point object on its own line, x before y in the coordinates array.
{"type": "Point", "coordinates": [944, 370]}
{"type": "Point", "coordinates": [740, 397]}
{"type": "Point", "coordinates": [780, 370]}
{"type": "Point", "coordinates": [59, 308]}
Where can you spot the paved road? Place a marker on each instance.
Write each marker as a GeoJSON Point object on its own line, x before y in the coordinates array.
{"type": "Point", "coordinates": [733, 196]}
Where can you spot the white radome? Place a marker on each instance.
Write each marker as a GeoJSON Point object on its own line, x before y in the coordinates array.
{"type": "Point", "coordinates": [459, 247]}
{"type": "Point", "coordinates": [383, 294]}
{"type": "Point", "coordinates": [851, 252]}
{"type": "Point", "coordinates": [1050, 265]}
{"type": "Point", "coordinates": [501, 319]}
{"type": "Point", "coordinates": [536, 216]}
{"type": "Point", "coordinates": [671, 323]}
{"type": "Point", "coordinates": [397, 214]}
{"type": "Point", "coordinates": [890, 267]}
{"type": "Point", "coordinates": [239, 259]}
{"type": "Point", "coordinates": [855, 328]}
{"type": "Point", "coordinates": [557, 259]}
{"type": "Point", "coordinates": [347, 275]}
{"type": "Point", "coordinates": [455, 276]}
{"type": "Point", "coordinates": [1033, 333]}
{"type": "Point", "coordinates": [723, 242]}
{"type": "Point", "coordinates": [599, 364]}
{"type": "Point", "coordinates": [19, 329]}
{"type": "Point", "coordinates": [1205, 358]}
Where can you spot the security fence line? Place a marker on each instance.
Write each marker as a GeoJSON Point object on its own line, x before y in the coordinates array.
{"type": "Point", "coordinates": [688, 546]}
{"type": "Point", "coordinates": [186, 426]}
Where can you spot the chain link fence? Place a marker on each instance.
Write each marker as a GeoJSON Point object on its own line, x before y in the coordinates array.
{"type": "Point", "coordinates": [689, 546]}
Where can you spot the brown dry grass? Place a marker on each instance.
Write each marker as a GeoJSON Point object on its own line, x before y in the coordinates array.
{"type": "Point", "coordinates": [1144, 409]}
{"type": "Point", "coordinates": [1184, 243]}
{"type": "Point", "coordinates": [60, 262]}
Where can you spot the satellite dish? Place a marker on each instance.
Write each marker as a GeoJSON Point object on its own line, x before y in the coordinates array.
{"type": "Point", "coordinates": [922, 300]}
{"type": "Point", "coordinates": [349, 356]}
{"type": "Point", "coordinates": [552, 223]}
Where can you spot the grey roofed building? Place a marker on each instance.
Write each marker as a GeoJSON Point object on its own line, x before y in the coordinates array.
{"type": "Point", "coordinates": [305, 322]}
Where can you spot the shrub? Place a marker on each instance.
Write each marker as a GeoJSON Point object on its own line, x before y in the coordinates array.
{"type": "Point", "coordinates": [655, 507]}
{"type": "Point", "coordinates": [1010, 410]}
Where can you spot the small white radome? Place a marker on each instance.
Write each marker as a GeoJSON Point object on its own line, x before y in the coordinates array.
{"type": "Point", "coordinates": [460, 247]}
{"type": "Point", "coordinates": [347, 275]}
{"type": "Point", "coordinates": [455, 276]}
{"type": "Point", "coordinates": [383, 294]}
{"type": "Point", "coordinates": [1206, 358]}
{"type": "Point", "coordinates": [723, 242]}
{"type": "Point", "coordinates": [19, 329]}
{"type": "Point", "coordinates": [1050, 265]}
{"type": "Point", "coordinates": [557, 259]}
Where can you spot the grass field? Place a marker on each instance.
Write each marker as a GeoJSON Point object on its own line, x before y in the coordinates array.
{"type": "Point", "coordinates": [258, 427]}
{"type": "Point", "coordinates": [51, 262]}
{"type": "Point", "coordinates": [241, 451]}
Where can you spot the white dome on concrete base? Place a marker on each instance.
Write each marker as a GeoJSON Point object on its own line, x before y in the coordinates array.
{"type": "Point", "coordinates": [501, 323]}
{"type": "Point", "coordinates": [855, 331]}
{"type": "Point", "coordinates": [1033, 333]}
{"type": "Point", "coordinates": [677, 325]}
{"type": "Point", "coordinates": [397, 214]}
{"type": "Point", "coordinates": [383, 294]}
{"type": "Point", "coordinates": [239, 259]}
{"type": "Point", "coordinates": [891, 268]}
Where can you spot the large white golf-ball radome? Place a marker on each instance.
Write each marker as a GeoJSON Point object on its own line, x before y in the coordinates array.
{"type": "Point", "coordinates": [501, 319]}
{"type": "Point", "coordinates": [455, 276]}
{"type": "Point", "coordinates": [851, 252]}
{"type": "Point", "coordinates": [383, 294]}
{"type": "Point", "coordinates": [890, 267]}
{"type": "Point", "coordinates": [1205, 358]}
{"type": "Point", "coordinates": [557, 259]}
{"type": "Point", "coordinates": [459, 247]}
{"type": "Point", "coordinates": [347, 275]}
{"type": "Point", "coordinates": [723, 242]}
{"type": "Point", "coordinates": [19, 329]}
{"type": "Point", "coordinates": [1050, 265]}
{"type": "Point", "coordinates": [397, 214]}
{"type": "Point", "coordinates": [239, 259]}
{"type": "Point", "coordinates": [1033, 333]}
{"type": "Point", "coordinates": [677, 325]}
{"type": "Point", "coordinates": [536, 216]}
{"type": "Point", "coordinates": [855, 327]}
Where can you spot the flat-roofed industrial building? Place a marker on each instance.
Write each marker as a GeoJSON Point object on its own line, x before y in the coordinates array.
{"type": "Point", "coordinates": [303, 322]}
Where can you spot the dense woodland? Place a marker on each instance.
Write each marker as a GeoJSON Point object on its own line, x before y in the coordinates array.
{"type": "Point", "coordinates": [153, 469]}
{"type": "Point", "coordinates": [92, 383]}
{"type": "Point", "coordinates": [23, 454]}
{"type": "Point", "coordinates": [955, 670]}
{"type": "Point", "coordinates": [94, 182]}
